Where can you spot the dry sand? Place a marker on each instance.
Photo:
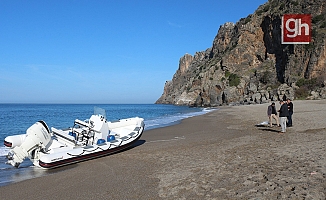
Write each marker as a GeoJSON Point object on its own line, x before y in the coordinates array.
{"type": "Point", "coordinates": [220, 155]}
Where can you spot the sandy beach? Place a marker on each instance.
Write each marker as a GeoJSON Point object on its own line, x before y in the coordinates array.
{"type": "Point", "coordinates": [219, 155]}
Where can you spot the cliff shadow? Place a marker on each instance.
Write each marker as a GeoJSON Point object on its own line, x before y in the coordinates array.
{"type": "Point", "coordinates": [271, 27]}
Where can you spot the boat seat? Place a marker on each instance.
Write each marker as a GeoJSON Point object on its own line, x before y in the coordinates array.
{"type": "Point", "coordinates": [125, 137]}
{"type": "Point", "coordinates": [132, 133]}
{"type": "Point", "coordinates": [104, 143]}
{"type": "Point", "coordinates": [137, 129]}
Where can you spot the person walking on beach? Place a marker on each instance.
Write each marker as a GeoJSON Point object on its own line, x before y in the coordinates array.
{"type": "Point", "coordinates": [272, 114]}
{"type": "Point", "coordinates": [290, 108]}
{"type": "Point", "coordinates": [284, 113]}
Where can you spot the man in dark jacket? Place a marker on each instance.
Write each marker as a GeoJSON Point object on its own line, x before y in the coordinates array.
{"type": "Point", "coordinates": [290, 108]}
{"type": "Point", "coordinates": [271, 113]}
{"type": "Point", "coordinates": [284, 113]}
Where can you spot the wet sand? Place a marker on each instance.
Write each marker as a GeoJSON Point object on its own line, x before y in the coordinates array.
{"type": "Point", "coordinates": [220, 155]}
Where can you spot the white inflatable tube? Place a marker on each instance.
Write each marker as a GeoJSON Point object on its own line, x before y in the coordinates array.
{"type": "Point", "coordinates": [15, 140]}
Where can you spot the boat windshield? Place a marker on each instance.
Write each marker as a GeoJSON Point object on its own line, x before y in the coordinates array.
{"type": "Point", "coordinates": [99, 111]}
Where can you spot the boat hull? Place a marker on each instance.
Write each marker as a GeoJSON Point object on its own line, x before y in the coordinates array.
{"type": "Point", "coordinates": [89, 156]}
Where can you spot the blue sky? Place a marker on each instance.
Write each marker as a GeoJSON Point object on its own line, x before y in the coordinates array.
{"type": "Point", "coordinates": [96, 51]}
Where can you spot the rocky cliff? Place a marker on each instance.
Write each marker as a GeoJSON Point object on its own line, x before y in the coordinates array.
{"type": "Point", "coordinates": [248, 64]}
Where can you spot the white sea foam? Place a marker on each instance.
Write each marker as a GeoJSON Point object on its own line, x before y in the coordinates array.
{"type": "Point", "coordinates": [172, 119]}
{"type": "Point", "coordinates": [4, 151]}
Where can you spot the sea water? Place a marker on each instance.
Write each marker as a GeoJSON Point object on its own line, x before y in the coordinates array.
{"type": "Point", "coordinates": [17, 118]}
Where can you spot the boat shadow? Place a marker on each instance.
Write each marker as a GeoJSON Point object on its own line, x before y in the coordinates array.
{"type": "Point", "coordinates": [139, 142]}
{"type": "Point", "coordinates": [136, 144]}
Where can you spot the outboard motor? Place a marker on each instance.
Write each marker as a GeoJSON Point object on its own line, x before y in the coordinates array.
{"type": "Point", "coordinates": [37, 136]}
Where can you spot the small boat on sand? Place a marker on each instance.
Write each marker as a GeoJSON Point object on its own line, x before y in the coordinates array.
{"type": "Point", "coordinates": [89, 139]}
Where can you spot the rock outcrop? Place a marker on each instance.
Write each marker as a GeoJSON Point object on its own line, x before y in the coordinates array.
{"type": "Point", "coordinates": [248, 64]}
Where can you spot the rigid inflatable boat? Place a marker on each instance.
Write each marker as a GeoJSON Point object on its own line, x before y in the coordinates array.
{"type": "Point", "coordinates": [86, 140]}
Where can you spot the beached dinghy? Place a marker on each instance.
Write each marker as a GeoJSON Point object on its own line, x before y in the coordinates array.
{"type": "Point", "coordinates": [86, 140]}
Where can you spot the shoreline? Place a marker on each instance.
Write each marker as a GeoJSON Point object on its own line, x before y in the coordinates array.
{"type": "Point", "coordinates": [218, 155]}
